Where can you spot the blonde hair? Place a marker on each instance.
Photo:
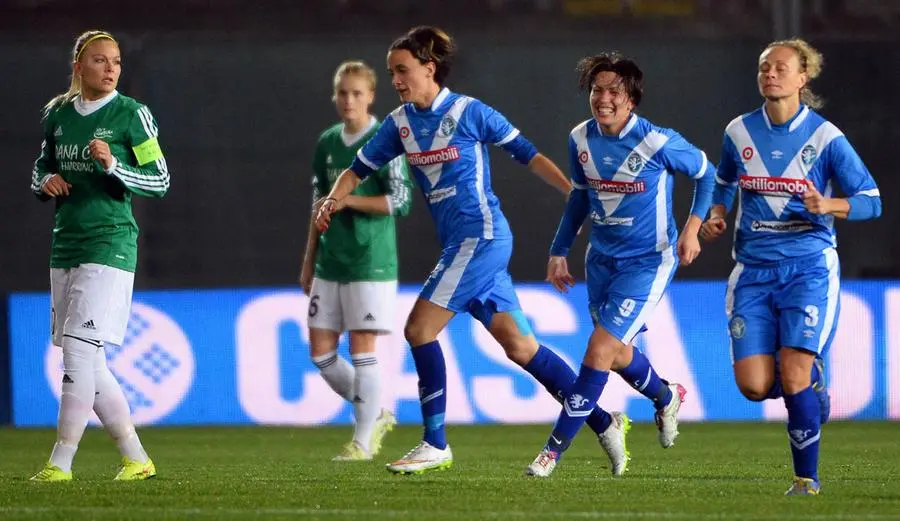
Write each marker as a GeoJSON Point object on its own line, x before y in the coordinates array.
{"type": "Point", "coordinates": [811, 62]}
{"type": "Point", "coordinates": [356, 68]}
{"type": "Point", "coordinates": [81, 43]}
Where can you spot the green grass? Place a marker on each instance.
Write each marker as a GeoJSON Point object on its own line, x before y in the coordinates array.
{"type": "Point", "coordinates": [715, 472]}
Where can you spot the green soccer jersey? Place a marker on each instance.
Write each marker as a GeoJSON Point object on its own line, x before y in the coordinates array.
{"type": "Point", "coordinates": [359, 246]}
{"type": "Point", "coordinates": [94, 222]}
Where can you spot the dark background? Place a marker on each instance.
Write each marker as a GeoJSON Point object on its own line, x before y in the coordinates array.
{"type": "Point", "coordinates": [241, 91]}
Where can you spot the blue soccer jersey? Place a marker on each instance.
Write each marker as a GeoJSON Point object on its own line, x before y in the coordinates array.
{"type": "Point", "coordinates": [771, 164]}
{"type": "Point", "coordinates": [629, 187]}
{"type": "Point", "coordinates": [447, 149]}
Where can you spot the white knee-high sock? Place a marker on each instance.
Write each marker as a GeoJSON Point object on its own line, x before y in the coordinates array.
{"type": "Point", "coordinates": [337, 372]}
{"type": "Point", "coordinates": [367, 396]}
{"type": "Point", "coordinates": [112, 408]}
{"type": "Point", "coordinates": [77, 398]}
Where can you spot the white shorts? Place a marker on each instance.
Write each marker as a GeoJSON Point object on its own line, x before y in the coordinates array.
{"type": "Point", "coordinates": [352, 306]}
{"type": "Point", "coordinates": [90, 301]}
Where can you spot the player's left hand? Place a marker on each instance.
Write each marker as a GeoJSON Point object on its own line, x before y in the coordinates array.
{"type": "Point", "coordinates": [815, 202]}
{"type": "Point", "coordinates": [688, 248]}
{"type": "Point", "coordinates": [100, 151]}
{"type": "Point", "coordinates": [323, 218]}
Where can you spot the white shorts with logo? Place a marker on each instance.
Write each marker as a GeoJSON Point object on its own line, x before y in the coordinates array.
{"type": "Point", "coordinates": [90, 301]}
{"type": "Point", "coordinates": [352, 306]}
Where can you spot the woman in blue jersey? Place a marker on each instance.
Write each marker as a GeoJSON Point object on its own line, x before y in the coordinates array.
{"type": "Point", "coordinates": [445, 137]}
{"type": "Point", "coordinates": [620, 166]}
{"type": "Point", "coordinates": [783, 295]}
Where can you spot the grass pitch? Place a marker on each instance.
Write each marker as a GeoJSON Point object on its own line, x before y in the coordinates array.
{"type": "Point", "coordinates": [716, 471]}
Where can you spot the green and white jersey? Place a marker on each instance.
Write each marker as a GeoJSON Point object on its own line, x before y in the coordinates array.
{"type": "Point", "coordinates": [359, 246]}
{"type": "Point", "coordinates": [94, 222]}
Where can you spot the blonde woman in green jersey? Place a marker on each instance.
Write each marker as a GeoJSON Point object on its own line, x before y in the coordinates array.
{"type": "Point", "coordinates": [350, 271]}
{"type": "Point", "coordinates": [100, 148]}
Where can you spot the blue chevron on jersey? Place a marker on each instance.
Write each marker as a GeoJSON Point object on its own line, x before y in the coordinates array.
{"type": "Point", "coordinates": [771, 165]}
{"type": "Point", "coordinates": [446, 146]}
{"type": "Point", "coordinates": [629, 183]}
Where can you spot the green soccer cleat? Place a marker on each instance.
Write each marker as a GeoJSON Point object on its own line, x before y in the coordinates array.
{"type": "Point", "coordinates": [136, 471]}
{"type": "Point", "coordinates": [353, 451]}
{"type": "Point", "coordinates": [51, 473]}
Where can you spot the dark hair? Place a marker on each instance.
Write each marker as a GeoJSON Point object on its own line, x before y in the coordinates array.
{"type": "Point", "coordinates": [429, 44]}
{"type": "Point", "coordinates": [628, 70]}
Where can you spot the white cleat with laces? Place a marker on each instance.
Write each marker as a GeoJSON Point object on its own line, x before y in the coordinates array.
{"type": "Point", "coordinates": [613, 442]}
{"type": "Point", "coordinates": [422, 458]}
{"type": "Point", "coordinates": [667, 417]}
{"type": "Point", "coordinates": [543, 464]}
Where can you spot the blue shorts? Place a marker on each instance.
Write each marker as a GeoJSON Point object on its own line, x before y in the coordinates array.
{"type": "Point", "coordinates": [793, 303]}
{"type": "Point", "coordinates": [472, 278]}
{"type": "Point", "coordinates": [622, 293]}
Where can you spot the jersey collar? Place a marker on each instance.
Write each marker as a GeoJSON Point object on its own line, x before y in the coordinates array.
{"type": "Point", "coordinates": [351, 139]}
{"type": "Point", "coordinates": [792, 123]}
{"type": "Point", "coordinates": [632, 121]}
{"type": "Point", "coordinates": [86, 108]}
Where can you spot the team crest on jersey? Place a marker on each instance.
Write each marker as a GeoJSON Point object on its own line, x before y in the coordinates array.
{"type": "Point", "coordinates": [448, 126]}
{"type": "Point", "coordinates": [738, 328]}
{"type": "Point", "coordinates": [634, 162]}
{"type": "Point", "coordinates": [404, 132]}
{"type": "Point", "coordinates": [583, 157]}
{"type": "Point", "coordinates": [103, 133]}
{"type": "Point", "coordinates": [747, 153]}
{"type": "Point", "coordinates": [808, 155]}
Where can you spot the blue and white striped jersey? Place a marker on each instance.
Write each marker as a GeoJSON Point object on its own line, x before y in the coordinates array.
{"type": "Point", "coordinates": [446, 146]}
{"type": "Point", "coordinates": [770, 164]}
{"type": "Point", "coordinates": [629, 186]}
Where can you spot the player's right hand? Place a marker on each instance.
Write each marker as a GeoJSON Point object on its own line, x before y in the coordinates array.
{"type": "Point", "coordinates": [713, 228]}
{"type": "Point", "coordinates": [558, 274]}
{"type": "Point", "coordinates": [56, 186]}
{"type": "Point", "coordinates": [323, 218]}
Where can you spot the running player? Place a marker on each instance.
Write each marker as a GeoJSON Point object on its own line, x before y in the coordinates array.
{"type": "Point", "coordinates": [100, 148]}
{"type": "Point", "coordinates": [445, 137]}
{"type": "Point", "coordinates": [620, 165]}
{"type": "Point", "coordinates": [350, 271]}
{"type": "Point", "coordinates": [783, 295]}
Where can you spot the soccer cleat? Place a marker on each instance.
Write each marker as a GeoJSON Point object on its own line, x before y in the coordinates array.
{"type": "Point", "coordinates": [353, 451]}
{"type": "Point", "coordinates": [803, 487]}
{"type": "Point", "coordinates": [136, 471]}
{"type": "Point", "coordinates": [543, 464]}
{"type": "Point", "coordinates": [383, 425]}
{"type": "Point", "coordinates": [667, 417]}
{"type": "Point", "coordinates": [422, 458]}
{"type": "Point", "coordinates": [821, 391]}
{"type": "Point", "coordinates": [613, 442]}
{"type": "Point", "coordinates": [51, 473]}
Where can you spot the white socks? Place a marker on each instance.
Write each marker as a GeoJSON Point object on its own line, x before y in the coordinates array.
{"type": "Point", "coordinates": [112, 408]}
{"type": "Point", "coordinates": [367, 397]}
{"type": "Point", "coordinates": [359, 384]}
{"type": "Point", "coordinates": [77, 398]}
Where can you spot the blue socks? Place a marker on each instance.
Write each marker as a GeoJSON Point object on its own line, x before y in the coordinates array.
{"type": "Point", "coordinates": [640, 375]}
{"type": "Point", "coordinates": [804, 430]}
{"type": "Point", "coordinates": [557, 377]}
{"type": "Point", "coordinates": [577, 406]}
{"type": "Point", "coordinates": [432, 373]}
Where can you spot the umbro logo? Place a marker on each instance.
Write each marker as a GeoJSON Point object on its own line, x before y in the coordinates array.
{"type": "Point", "coordinates": [777, 154]}
{"type": "Point", "coordinates": [58, 132]}
{"type": "Point", "coordinates": [608, 160]}
{"type": "Point", "coordinates": [424, 132]}
{"type": "Point", "coordinates": [88, 325]}
{"type": "Point", "coordinates": [369, 317]}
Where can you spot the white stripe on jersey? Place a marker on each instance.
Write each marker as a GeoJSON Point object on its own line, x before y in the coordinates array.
{"type": "Point", "coordinates": [834, 289]}
{"type": "Point", "coordinates": [482, 197]}
{"type": "Point", "coordinates": [663, 272]}
{"type": "Point", "coordinates": [703, 165]}
{"type": "Point", "coordinates": [723, 182]}
{"type": "Point", "coordinates": [440, 140]}
{"type": "Point", "coordinates": [662, 213]}
{"type": "Point", "coordinates": [509, 137]}
{"type": "Point", "coordinates": [796, 169]}
{"type": "Point", "coordinates": [871, 193]}
{"type": "Point", "coordinates": [453, 274]}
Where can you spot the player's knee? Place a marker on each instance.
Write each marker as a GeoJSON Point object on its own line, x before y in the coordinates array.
{"type": "Point", "coordinates": [520, 350]}
{"type": "Point", "coordinates": [753, 392]}
{"type": "Point", "coordinates": [417, 333]}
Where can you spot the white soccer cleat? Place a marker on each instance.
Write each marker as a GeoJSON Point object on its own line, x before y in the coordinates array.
{"type": "Point", "coordinates": [613, 442]}
{"type": "Point", "coordinates": [543, 464]}
{"type": "Point", "coordinates": [667, 417]}
{"type": "Point", "coordinates": [383, 425]}
{"type": "Point", "coordinates": [353, 451]}
{"type": "Point", "coordinates": [422, 458]}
